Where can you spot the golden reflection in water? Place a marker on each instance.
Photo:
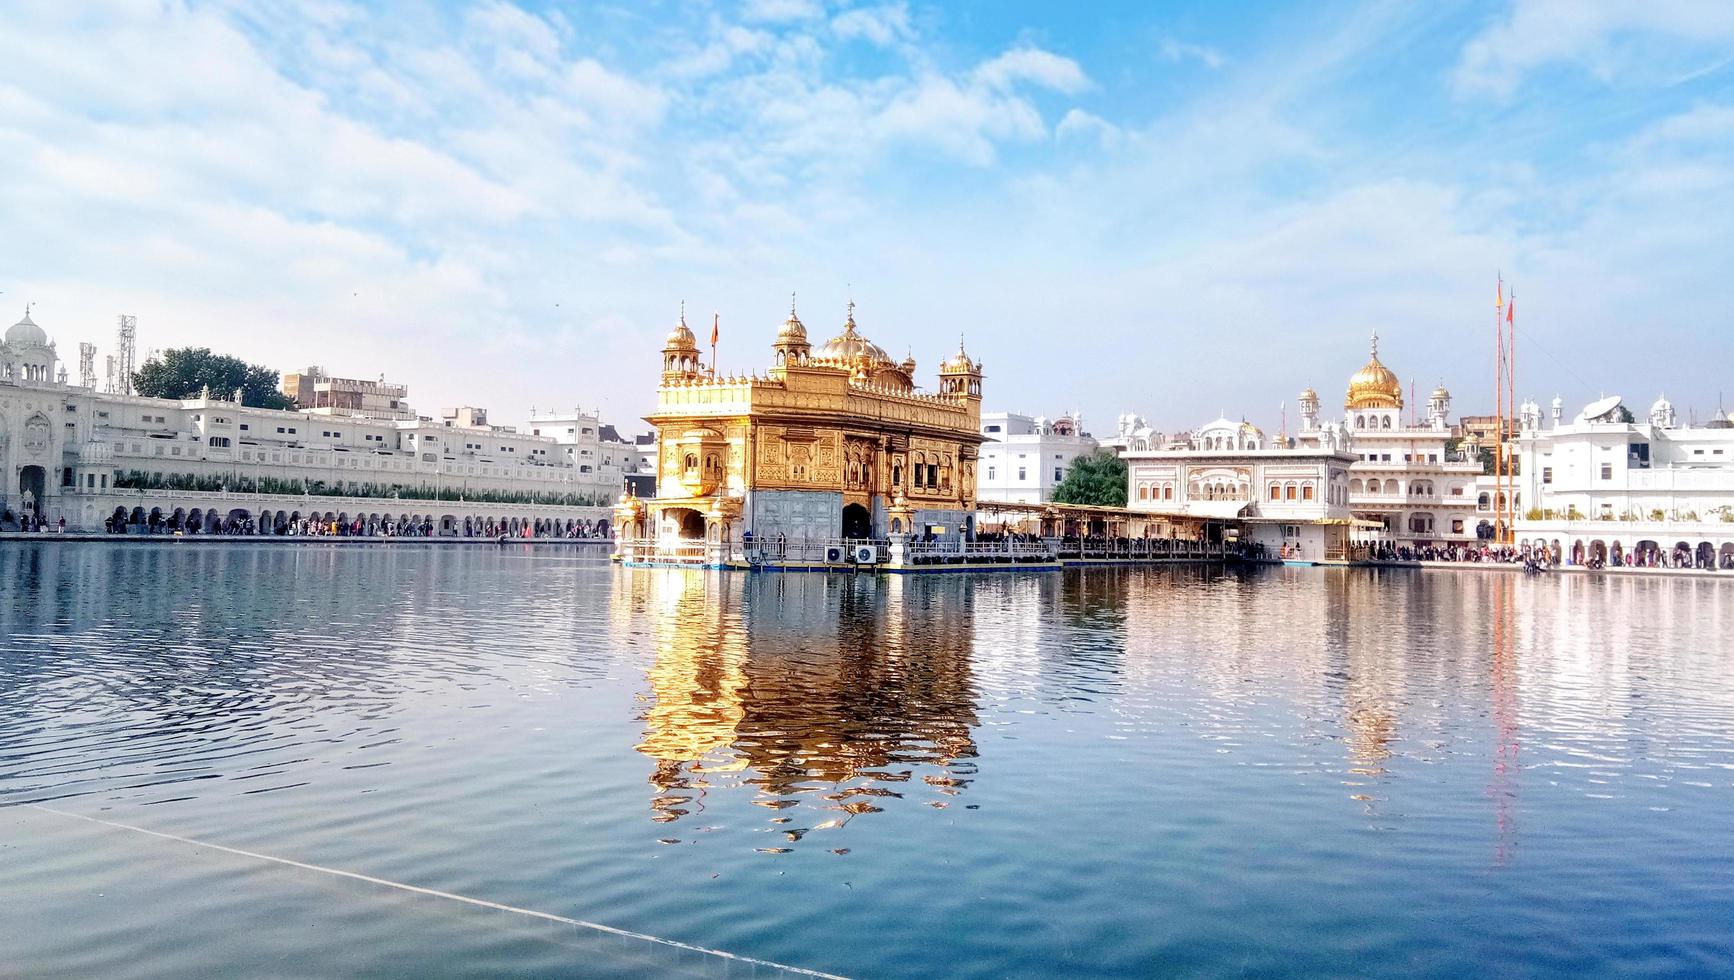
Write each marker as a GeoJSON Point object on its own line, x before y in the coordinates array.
{"type": "Point", "coordinates": [696, 683]}
{"type": "Point", "coordinates": [822, 691]}
{"type": "Point", "coordinates": [1372, 669]}
{"type": "Point", "coordinates": [1503, 686]}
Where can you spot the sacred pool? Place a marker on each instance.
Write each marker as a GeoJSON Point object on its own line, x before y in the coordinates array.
{"type": "Point", "coordinates": [313, 760]}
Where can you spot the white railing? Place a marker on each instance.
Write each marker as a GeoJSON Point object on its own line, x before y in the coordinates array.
{"type": "Point", "coordinates": [804, 550]}
{"type": "Point", "coordinates": [683, 551]}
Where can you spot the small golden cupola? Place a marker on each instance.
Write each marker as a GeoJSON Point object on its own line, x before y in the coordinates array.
{"type": "Point", "coordinates": [1374, 385]}
{"type": "Point", "coordinates": [792, 346]}
{"type": "Point", "coordinates": [959, 375]}
{"type": "Point", "coordinates": [680, 353]}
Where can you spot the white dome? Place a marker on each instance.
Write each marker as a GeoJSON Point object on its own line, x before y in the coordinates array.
{"type": "Point", "coordinates": [25, 333]}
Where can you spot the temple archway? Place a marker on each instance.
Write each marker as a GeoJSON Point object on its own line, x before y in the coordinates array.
{"type": "Point", "coordinates": [32, 484]}
{"type": "Point", "coordinates": [857, 522]}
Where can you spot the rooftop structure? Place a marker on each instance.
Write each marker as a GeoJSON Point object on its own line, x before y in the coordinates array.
{"type": "Point", "coordinates": [317, 393]}
{"type": "Point", "coordinates": [1024, 457]}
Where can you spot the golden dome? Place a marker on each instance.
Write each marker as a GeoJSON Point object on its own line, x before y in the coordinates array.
{"type": "Point", "coordinates": [1374, 385]}
{"type": "Point", "coordinates": [793, 331]}
{"type": "Point", "coordinates": [851, 348]}
{"type": "Point", "coordinates": [681, 337]}
{"type": "Point", "coordinates": [1308, 394]}
{"type": "Point", "coordinates": [958, 363]}
{"type": "Point", "coordinates": [1440, 393]}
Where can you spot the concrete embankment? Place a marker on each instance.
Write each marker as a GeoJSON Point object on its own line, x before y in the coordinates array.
{"type": "Point", "coordinates": [599, 545]}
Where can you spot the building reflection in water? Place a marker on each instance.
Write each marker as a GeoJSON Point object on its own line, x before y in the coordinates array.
{"type": "Point", "coordinates": [825, 693]}
{"type": "Point", "coordinates": [1503, 788]}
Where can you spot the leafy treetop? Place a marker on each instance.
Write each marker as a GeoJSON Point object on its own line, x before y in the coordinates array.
{"type": "Point", "coordinates": [183, 372]}
{"type": "Point", "coordinates": [1098, 480]}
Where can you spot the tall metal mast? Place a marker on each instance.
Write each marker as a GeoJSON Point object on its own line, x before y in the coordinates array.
{"type": "Point", "coordinates": [126, 350]}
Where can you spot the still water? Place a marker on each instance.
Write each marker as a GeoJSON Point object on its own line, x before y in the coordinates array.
{"type": "Point", "coordinates": [1109, 772]}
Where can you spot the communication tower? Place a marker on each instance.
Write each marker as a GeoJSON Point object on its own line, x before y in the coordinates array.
{"type": "Point", "coordinates": [87, 365]}
{"type": "Point", "coordinates": [125, 346]}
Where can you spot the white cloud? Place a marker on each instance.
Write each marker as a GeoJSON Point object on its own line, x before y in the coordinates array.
{"type": "Point", "coordinates": [1035, 66]}
{"type": "Point", "coordinates": [1078, 124]}
{"type": "Point", "coordinates": [962, 122]}
{"type": "Point", "coordinates": [1171, 49]}
{"type": "Point", "coordinates": [1603, 37]}
{"type": "Point", "coordinates": [782, 11]}
{"type": "Point", "coordinates": [882, 25]}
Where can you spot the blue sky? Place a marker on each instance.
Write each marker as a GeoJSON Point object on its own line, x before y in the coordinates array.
{"type": "Point", "coordinates": [1173, 209]}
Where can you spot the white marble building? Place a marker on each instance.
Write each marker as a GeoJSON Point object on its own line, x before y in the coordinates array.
{"type": "Point", "coordinates": [1294, 502]}
{"type": "Point", "coordinates": [1132, 434]}
{"type": "Point", "coordinates": [1603, 487]}
{"type": "Point", "coordinates": [88, 456]}
{"type": "Point", "coordinates": [1025, 457]}
{"type": "Point", "coordinates": [1405, 478]}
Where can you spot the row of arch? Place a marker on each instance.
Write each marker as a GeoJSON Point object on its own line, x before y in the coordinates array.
{"type": "Point", "coordinates": [1648, 553]}
{"type": "Point", "coordinates": [1292, 490]}
{"type": "Point", "coordinates": [1218, 490]}
{"type": "Point", "coordinates": [1395, 487]}
{"type": "Point", "coordinates": [200, 520]}
{"type": "Point", "coordinates": [1155, 491]}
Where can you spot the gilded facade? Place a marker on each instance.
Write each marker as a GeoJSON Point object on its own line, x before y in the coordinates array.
{"type": "Point", "coordinates": [831, 443]}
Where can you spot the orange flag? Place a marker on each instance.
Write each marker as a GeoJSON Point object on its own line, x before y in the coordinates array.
{"type": "Point", "coordinates": [715, 319]}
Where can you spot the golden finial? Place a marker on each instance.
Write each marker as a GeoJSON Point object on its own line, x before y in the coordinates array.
{"type": "Point", "coordinates": [791, 305]}
{"type": "Point", "coordinates": [683, 312]}
{"type": "Point", "coordinates": [1375, 343]}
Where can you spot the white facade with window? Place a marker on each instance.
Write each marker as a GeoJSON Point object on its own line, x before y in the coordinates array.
{"type": "Point", "coordinates": [1025, 457]}
{"type": "Point", "coordinates": [1601, 486]}
{"type": "Point", "coordinates": [1295, 503]}
{"type": "Point", "coordinates": [73, 452]}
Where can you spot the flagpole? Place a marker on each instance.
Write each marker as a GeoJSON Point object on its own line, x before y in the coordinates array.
{"type": "Point", "coordinates": [1511, 403]}
{"type": "Point", "coordinates": [1498, 412]}
{"type": "Point", "coordinates": [715, 322]}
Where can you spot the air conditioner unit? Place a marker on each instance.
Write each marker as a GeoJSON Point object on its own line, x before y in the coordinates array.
{"type": "Point", "coordinates": [866, 554]}
{"type": "Point", "coordinates": [834, 554]}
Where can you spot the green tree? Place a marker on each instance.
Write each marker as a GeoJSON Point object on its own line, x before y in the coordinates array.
{"type": "Point", "coordinates": [1098, 479]}
{"type": "Point", "coordinates": [183, 372]}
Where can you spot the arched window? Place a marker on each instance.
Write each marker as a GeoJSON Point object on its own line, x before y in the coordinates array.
{"type": "Point", "coordinates": [1360, 423]}
{"type": "Point", "coordinates": [1385, 423]}
{"type": "Point", "coordinates": [1373, 486]}
{"type": "Point", "coordinates": [1306, 491]}
{"type": "Point", "coordinates": [1289, 491]}
{"type": "Point", "coordinates": [1143, 491]}
{"type": "Point", "coordinates": [1275, 491]}
{"type": "Point", "coordinates": [1168, 492]}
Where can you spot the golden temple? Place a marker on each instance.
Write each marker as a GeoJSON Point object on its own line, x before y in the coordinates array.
{"type": "Point", "coordinates": [829, 446]}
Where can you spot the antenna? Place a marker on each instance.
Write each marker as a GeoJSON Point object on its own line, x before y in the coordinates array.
{"type": "Point", "coordinates": [109, 387]}
{"type": "Point", "coordinates": [126, 341]}
{"type": "Point", "coordinates": [87, 365]}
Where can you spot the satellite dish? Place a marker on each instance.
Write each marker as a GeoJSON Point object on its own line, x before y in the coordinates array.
{"type": "Point", "coordinates": [1594, 411]}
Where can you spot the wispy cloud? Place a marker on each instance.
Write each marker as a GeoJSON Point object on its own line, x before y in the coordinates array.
{"type": "Point", "coordinates": [511, 185]}
{"type": "Point", "coordinates": [1601, 37]}
{"type": "Point", "coordinates": [1174, 50]}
